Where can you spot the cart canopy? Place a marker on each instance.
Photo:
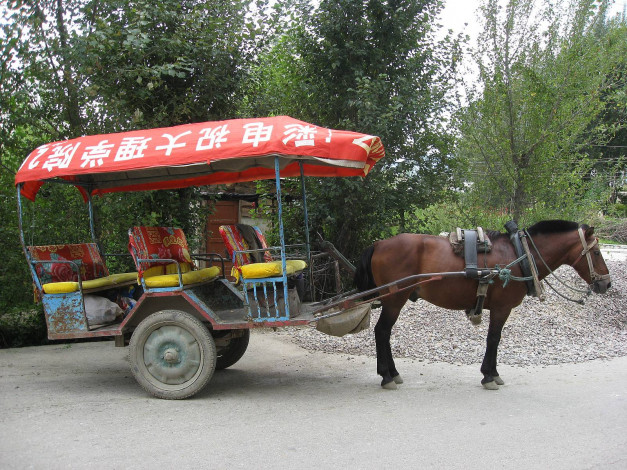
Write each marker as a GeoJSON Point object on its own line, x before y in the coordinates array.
{"type": "Point", "coordinates": [205, 153]}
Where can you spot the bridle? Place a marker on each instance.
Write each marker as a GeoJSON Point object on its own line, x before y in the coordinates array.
{"type": "Point", "coordinates": [594, 276]}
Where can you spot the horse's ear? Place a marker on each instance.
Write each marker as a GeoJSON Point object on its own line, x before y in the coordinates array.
{"type": "Point", "coordinates": [589, 232]}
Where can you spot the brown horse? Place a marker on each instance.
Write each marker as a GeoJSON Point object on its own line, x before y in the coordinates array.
{"type": "Point", "coordinates": [552, 244]}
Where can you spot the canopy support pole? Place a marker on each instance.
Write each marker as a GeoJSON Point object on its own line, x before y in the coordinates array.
{"type": "Point", "coordinates": [277, 172]}
{"type": "Point", "coordinates": [306, 213]}
{"type": "Point", "coordinates": [20, 223]}
{"type": "Point", "coordinates": [92, 229]}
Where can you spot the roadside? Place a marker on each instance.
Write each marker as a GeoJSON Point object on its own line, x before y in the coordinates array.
{"type": "Point", "coordinates": [614, 252]}
{"type": "Point", "coordinates": [281, 406]}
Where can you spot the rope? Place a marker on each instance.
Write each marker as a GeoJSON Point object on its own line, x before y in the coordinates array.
{"type": "Point", "coordinates": [505, 273]}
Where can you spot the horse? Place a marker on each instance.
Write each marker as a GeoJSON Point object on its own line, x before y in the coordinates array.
{"type": "Point", "coordinates": [553, 242]}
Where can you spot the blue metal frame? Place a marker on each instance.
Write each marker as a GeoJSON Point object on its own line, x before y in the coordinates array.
{"type": "Point", "coordinates": [306, 213]}
{"type": "Point", "coordinates": [65, 313]}
{"type": "Point", "coordinates": [265, 314]}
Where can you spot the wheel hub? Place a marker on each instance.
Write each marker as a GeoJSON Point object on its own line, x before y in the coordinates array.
{"type": "Point", "coordinates": [171, 356]}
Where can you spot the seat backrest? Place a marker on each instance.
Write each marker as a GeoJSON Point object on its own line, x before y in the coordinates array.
{"type": "Point", "coordinates": [241, 237]}
{"type": "Point", "coordinates": [87, 255]}
{"type": "Point", "coordinates": [159, 243]}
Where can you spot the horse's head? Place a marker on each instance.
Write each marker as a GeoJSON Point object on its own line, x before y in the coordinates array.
{"type": "Point", "coordinates": [595, 271]}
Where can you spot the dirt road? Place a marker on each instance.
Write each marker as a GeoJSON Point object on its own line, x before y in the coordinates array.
{"type": "Point", "coordinates": [280, 407]}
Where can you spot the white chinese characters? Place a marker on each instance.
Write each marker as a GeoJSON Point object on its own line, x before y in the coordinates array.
{"type": "Point", "coordinates": [96, 154]}
{"type": "Point", "coordinates": [302, 135]}
{"type": "Point", "coordinates": [210, 138]}
{"type": "Point", "coordinates": [256, 132]}
{"type": "Point", "coordinates": [132, 147]}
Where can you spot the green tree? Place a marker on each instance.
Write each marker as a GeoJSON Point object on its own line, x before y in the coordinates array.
{"type": "Point", "coordinates": [74, 67]}
{"type": "Point", "coordinates": [167, 63]}
{"type": "Point", "coordinates": [531, 117]}
{"type": "Point", "coordinates": [372, 67]}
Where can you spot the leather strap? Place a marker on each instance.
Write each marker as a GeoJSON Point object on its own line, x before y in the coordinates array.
{"type": "Point", "coordinates": [594, 276]}
{"type": "Point", "coordinates": [470, 253]}
{"type": "Point", "coordinates": [514, 236]}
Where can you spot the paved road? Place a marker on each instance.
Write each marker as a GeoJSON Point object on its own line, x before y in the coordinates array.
{"type": "Point", "coordinates": [280, 407]}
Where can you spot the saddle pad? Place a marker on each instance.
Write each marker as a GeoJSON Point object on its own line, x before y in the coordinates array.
{"type": "Point", "coordinates": [456, 238]}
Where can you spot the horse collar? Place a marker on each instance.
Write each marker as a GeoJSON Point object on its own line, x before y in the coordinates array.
{"type": "Point", "coordinates": [525, 263]}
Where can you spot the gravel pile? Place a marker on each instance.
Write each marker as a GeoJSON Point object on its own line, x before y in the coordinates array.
{"type": "Point", "coordinates": [537, 333]}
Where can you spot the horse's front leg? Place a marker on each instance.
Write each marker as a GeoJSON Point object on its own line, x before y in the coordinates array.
{"type": "Point", "coordinates": [385, 362]}
{"type": "Point", "coordinates": [491, 378]}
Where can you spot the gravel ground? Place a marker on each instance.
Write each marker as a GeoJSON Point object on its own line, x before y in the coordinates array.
{"type": "Point", "coordinates": [537, 333]}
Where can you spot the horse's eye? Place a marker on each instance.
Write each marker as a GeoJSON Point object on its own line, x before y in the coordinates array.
{"type": "Point", "coordinates": [597, 253]}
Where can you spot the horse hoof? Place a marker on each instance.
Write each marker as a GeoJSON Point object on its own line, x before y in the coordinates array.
{"type": "Point", "coordinates": [492, 385]}
{"type": "Point", "coordinates": [475, 319]}
{"type": "Point", "coordinates": [498, 380]}
{"type": "Point", "coordinates": [391, 385]}
{"type": "Point", "coordinates": [398, 379]}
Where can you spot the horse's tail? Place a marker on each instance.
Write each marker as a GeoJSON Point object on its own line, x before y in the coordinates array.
{"type": "Point", "coordinates": [363, 275]}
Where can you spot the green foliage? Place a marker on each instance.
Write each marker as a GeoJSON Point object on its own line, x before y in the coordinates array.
{"type": "Point", "coordinates": [535, 113]}
{"type": "Point", "coordinates": [618, 210]}
{"type": "Point", "coordinates": [372, 67]}
{"type": "Point", "coordinates": [78, 67]}
{"type": "Point", "coordinates": [22, 327]}
{"type": "Point", "coordinates": [166, 63]}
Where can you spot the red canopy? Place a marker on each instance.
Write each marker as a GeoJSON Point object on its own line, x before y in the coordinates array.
{"type": "Point", "coordinates": [200, 154]}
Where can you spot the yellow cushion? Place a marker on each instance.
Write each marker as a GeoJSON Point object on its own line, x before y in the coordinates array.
{"type": "Point", "coordinates": [72, 286]}
{"type": "Point", "coordinates": [191, 277]}
{"type": "Point", "coordinates": [261, 270]}
{"type": "Point", "coordinates": [171, 268]}
{"type": "Point", "coordinates": [154, 271]}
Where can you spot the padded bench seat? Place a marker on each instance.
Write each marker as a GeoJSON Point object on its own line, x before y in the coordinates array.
{"type": "Point", "coordinates": [57, 268]}
{"type": "Point", "coordinates": [272, 269]}
{"type": "Point", "coordinates": [159, 252]}
{"type": "Point", "coordinates": [111, 281]}
{"type": "Point", "coordinates": [239, 239]}
{"type": "Point", "coordinates": [190, 277]}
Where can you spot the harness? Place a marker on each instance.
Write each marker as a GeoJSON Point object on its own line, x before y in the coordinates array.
{"type": "Point", "coordinates": [517, 237]}
{"type": "Point", "coordinates": [524, 259]}
{"type": "Point", "coordinates": [475, 242]}
{"type": "Point", "coordinates": [594, 276]}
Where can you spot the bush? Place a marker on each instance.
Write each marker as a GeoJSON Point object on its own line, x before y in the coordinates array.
{"type": "Point", "coordinates": [20, 327]}
{"type": "Point", "coordinates": [612, 229]}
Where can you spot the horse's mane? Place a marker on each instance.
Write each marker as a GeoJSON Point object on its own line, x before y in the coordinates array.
{"type": "Point", "coordinates": [494, 235]}
{"type": "Point", "coordinates": [542, 227]}
{"type": "Point", "coordinates": [553, 226]}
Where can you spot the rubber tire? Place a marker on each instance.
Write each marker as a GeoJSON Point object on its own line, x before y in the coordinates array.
{"type": "Point", "coordinates": [229, 355]}
{"type": "Point", "coordinates": [184, 333]}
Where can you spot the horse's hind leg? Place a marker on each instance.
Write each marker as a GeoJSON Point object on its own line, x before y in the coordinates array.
{"type": "Point", "coordinates": [385, 362]}
{"type": "Point", "coordinates": [491, 378]}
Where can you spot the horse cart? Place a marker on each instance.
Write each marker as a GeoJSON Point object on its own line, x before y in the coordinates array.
{"type": "Point", "coordinates": [183, 318]}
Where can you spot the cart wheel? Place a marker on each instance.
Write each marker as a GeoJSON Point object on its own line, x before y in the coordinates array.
{"type": "Point", "coordinates": [172, 354]}
{"type": "Point", "coordinates": [233, 351]}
